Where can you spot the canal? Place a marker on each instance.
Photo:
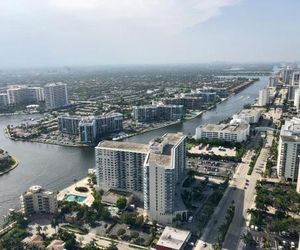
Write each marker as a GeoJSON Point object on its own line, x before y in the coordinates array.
{"type": "Point", "coordinates": [55, 167]}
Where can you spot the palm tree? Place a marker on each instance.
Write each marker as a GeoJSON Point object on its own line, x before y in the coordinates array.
{"type": "Point", "coordinates": [81, 238]}
{"type": "Point", "coordinates": [248, 239]}
{"type": "Point", "coordinates": [75, 181]}
{"type": "Point", "coordinates": [112, 246]}
{"type": "Point", "coordinates": [38, 229]}
{"type": "Point", "coordinates": [54, 224]}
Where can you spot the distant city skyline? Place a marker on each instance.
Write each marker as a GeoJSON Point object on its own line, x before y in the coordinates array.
{"type": "Point", "coordinates": [55, 33]}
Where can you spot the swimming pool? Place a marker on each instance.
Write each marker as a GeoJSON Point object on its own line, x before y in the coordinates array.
{"type": "Point", "coordinates": [76, 198]}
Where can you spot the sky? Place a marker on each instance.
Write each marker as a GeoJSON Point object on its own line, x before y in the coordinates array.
{"type": "Point", "coordinates": [103, 32]}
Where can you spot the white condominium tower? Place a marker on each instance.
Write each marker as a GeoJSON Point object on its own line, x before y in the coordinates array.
{"type": "Point", "coordinates": [56, 95]}
{"type": "Point", "coordinates": [38, 200]}
{"type": "Point", "coordinates": [289, 150]}
{"type": "Point", "coordinates": [151, 172]}
{"type": "Point", "coordinates": [24, 95]}
{"type": "Point", "coordinates": [296, 78]}
{"type": "Point", "coordinates": [164, 168]}
{"type": "Point", "coordinates": [297, 99]}
{"type": "Point", "coordinates": [3, 99]}
{"type": "Point", "coordinates": [263, 98]}
{"type": "Point", "coordinates": [119, 166]}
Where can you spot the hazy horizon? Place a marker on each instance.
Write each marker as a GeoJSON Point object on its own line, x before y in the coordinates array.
{"type": "Point", "coordinates": [59, 33]}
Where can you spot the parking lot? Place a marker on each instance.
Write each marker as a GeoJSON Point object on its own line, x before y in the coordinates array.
{"type": "Point", "coordinates": [281, 240]}
{"type": "Point", "coordinates": [212, 168]}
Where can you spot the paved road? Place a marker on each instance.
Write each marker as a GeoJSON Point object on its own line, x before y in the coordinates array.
{"type": "Point", "coordinates": [233, 193]}
{"type": "Point", "coordinates": [232, 240]}
{"type": "Point", "coordinates": [243, 196]}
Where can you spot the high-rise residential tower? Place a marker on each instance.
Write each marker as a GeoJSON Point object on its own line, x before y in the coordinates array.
{"type": "Point", "coordinates": [56, 95]}
{"type": "Point", "coordinates": [296, 78]}
{"type": "Point", "coordinates": [263, 98]}
{"type": "Point", "coordinates": [164, 168]}
{"type": "Point", "coordinates": [151, 172]}
{"type": "Point", "coordinates": [119, 166]}
{"type": "Point", "coordinates": [289, 150]}
{"type": "Point", "coordinates": [3, 99]}
{"type": "Point", "coordinates": [25, 95]}
{"type": "Point", "coordinates": [93, 128]}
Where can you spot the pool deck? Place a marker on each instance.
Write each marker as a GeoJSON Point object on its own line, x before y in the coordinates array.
{"type": "Point", "coordinates": [71, 190]}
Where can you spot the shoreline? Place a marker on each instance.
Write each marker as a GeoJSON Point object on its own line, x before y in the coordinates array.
{"type": "Point", "coordinates": [163, 126]}
{"type": "Point", "coordinates": [11, 167]}
{"type": "Point", "coordinates": [234, 92]}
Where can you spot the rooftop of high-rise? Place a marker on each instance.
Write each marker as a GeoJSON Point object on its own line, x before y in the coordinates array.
{"type": "Point", "coordinates": [291, 129]}
{"type": "Point", "coordinates": [124, 146]}
{"type": "Point", "coordinates": [161, 148]}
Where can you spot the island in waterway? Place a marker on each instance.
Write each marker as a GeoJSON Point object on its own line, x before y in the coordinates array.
{"type": "Point", "coordinates": [7, 162]}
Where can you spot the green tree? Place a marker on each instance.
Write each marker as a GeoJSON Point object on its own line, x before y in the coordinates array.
{"type": "Point", "coordinates": [134, 235]}
{"type": "Point", "coordinates": [68, 238]}
{"type": "Point", "coordinates": [13, 239]}
{"type": "Point", "coordinates": [121, 203]}
{"type": "Point", "coordinates": [91, 246]}
{"type": "Point", "coordinates": [125, 218]}
{"type": "Point", "coordinates": [139, 221]}
{"type": "Point", "coordinates": [121, 231]}
{"type": "Point", "coordinates": [248, 239]}
{"type": "Point", "coordinates": [54, 224]}
{"type": "Point", "coordinates": [112, 246]}
{"type": "Point", "coordinates": [38, 229]}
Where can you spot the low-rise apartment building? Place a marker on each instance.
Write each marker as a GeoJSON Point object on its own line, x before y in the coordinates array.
{"type": "Point", "coordinates": [248, 115]}
{"type": "Point", "coordinates": [232, 132]}
{"type": "Point", "coordinates": [38, 200]}
{"type": "Point", "coordinates": [188, 102]}
{"type": "Point", "coordinates": [152, 113]}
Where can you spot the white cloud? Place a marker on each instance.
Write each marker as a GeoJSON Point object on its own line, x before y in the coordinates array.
{"type": "Point", "coordinates": [108, 31]}
{"type": "Point", "coordinates": [165, 14]}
